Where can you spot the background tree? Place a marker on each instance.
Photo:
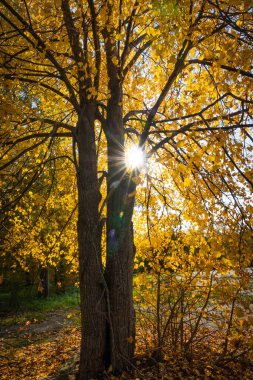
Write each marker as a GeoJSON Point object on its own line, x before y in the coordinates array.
{"type": "Point", "coordinates": [171, 77]}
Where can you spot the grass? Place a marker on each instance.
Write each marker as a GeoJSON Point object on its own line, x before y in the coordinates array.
{"type": "Point", "coordinates": [22, 305]}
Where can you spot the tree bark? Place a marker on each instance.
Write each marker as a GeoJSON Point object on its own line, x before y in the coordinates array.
{"type": "Point", "coordinates": [92, 290]}
{"type": "Point", "coordinates": [120, 246]}
{"type": "Point", "coordinates": [107, 311]}
{"type": "Point", "coordinates": [119, 275]}
{"type": "Point", "coordinates": [44, 280]}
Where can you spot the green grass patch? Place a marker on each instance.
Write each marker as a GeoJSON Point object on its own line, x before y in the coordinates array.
{"type": "Point", "coordinates": [23, 306]}
{"type": "Point", "coordinates": [70, 298]}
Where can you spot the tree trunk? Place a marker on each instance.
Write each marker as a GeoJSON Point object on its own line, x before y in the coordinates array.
{"type": "Point", "coordinates": [92, 290]}
{"type": "Point", "coordinates": [119, 275]}
{"type": "Point", "coordinates": [44, 281]}
{"type": "Point", "coordinates": [120, 252]}
{"type": "Point", "coordinates": [107, 312]}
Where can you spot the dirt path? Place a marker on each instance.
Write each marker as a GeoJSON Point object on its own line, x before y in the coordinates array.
{"type": "Point", "coordinates": [17, 334]}
{"type": "Point", "coordinates": [41, 350]}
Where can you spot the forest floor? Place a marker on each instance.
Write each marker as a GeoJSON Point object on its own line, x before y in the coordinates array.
{"type": "Point", "coordinates": [40, 340]}
{"type": "Point", "coordinates": [54, 321]}
{"type": "Point", "coordinates": [40, 349]}
{"type": "Point", "coordinates": [48, 349]}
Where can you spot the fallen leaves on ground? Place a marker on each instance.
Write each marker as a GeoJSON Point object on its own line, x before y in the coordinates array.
{"type": "Point", "coordinates": [42, 359]}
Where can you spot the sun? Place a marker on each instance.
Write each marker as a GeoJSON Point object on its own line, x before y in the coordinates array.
{"type": "Point", "coordinates": [134, 157]}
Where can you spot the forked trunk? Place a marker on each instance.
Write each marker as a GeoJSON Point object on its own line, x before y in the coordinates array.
{"type": "Point", "coordinates": [108, 327]}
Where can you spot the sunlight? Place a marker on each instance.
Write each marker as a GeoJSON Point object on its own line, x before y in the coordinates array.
{"type": "Point", "coordinates": [134, 157]}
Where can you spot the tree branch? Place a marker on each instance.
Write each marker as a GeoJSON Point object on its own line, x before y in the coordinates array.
{"type": "Point", "coordinates": [40, 47]}
{"type": "Point", "coordinates": [205, 62]}
{"type": "Point", "coordinates": [187, 45]}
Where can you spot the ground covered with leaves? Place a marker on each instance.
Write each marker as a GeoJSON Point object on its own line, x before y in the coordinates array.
{"type": "Point", "coordinates": [44, 350]}
{"type": "Point", "coordinates": [37, 350]}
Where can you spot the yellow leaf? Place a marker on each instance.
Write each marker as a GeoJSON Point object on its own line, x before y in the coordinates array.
{"type": "Point", "coordinates": [115, 60]}
{"type": "Point", "coordinates": [180, 144]}
{"type": "Point", "coordinates": [187, 181]}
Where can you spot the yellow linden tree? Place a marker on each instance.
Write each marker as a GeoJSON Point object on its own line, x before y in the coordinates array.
{"type": "Point", "coordinates": [47, 210]}
{"type": "Point", "coordinates": [191, 276]}
{"type": "Point", "coordinates": [172, 78]}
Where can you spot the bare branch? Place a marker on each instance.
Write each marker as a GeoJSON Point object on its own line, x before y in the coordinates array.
{"type": "Point", "coordinates": [40, 47]}
{"type": "Point", "coordinates": [204, 62]}
{"type": "Point", "coordinates": [177, 69]}
{"type": "Point", "coordinates": [35, 136]}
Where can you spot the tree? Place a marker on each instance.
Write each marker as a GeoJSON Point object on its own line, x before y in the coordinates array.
{"type": "Point", "coordinates": [48, 212]}
{"type": "Point", "coordinates": [103, 74]}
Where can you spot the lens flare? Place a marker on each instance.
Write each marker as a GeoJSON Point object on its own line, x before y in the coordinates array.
{"type": "Point", "coordinates": [135, 158]}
